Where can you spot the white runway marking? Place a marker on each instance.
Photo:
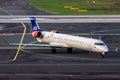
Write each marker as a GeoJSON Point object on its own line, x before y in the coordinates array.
{"type": "Point", "coordinates": [61, 19]}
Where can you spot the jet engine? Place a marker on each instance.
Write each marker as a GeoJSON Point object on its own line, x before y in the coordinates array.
{"type": "Point", "coordinates": [54, 31]}
{"type": "Point", "coordinates": [37, 34]}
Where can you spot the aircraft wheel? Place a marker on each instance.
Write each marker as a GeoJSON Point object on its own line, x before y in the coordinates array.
{"type": "Point", "coordinates": [69, 50]}
{"type": "Point", "coordinates": [102, 55]}
{"type": "Point", "coordinates": [53, 50]}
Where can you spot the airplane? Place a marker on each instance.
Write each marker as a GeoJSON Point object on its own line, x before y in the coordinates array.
{"type": "Point", "coordinates": [59, 40]}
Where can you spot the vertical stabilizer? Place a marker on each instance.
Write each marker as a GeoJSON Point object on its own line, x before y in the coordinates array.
{"type": "Point", "coordinates": [34, 23]}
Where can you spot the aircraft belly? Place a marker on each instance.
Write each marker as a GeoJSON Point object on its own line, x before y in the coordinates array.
{"type": "Point", "coordinates": [82, 46]}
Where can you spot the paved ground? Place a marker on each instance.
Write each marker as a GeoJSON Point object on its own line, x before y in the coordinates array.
{"type": "Point", "coordinates": [19, 7]}
{"type": "Point", "coordinates": [42, 61]}
{"type": "Point", "coordinates": [42, 64]}
{"type": "Point", "coordinates": [60, 19]}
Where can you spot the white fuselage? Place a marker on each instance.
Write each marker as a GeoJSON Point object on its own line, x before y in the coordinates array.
{"type": "Point", "coordinates": [73, 41]}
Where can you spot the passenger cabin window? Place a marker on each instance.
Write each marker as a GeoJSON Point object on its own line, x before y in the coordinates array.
{"type": "Point", "coordinates": [99, 44]}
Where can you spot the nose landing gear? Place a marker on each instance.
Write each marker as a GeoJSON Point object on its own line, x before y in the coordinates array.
{"type": "Point", "coordinates": [102, 55]}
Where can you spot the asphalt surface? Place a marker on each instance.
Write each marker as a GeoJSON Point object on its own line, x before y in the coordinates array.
{"type": "Point", "coordinates": [61, 19]}
{"type": "Point", "coordinates": [42, 64]}
{"type": "Point", "coordinates": [41, 61]}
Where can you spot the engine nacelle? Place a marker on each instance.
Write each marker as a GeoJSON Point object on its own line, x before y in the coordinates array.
{"type": "Point", "coordinates": [37, 34]}
{"type": "Point", "coordinates": [54, 31]}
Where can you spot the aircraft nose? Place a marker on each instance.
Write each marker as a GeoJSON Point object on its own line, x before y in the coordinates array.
{"type": "Point", "coordinates": [106, 49]}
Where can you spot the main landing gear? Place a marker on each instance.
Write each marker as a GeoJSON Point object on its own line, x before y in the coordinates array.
{"type": "Point", "coordinates": [69, 50]}
{"type": "Point", "coordinates": [53, 50]}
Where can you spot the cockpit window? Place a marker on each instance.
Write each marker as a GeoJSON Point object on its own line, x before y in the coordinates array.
{"type": "Point", "coordinates": [99, 44]}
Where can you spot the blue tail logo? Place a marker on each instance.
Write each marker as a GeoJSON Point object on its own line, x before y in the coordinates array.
{"type": "Point", "coordinates": [34, 23]}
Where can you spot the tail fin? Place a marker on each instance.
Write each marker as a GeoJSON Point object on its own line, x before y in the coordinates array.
{"type": "Point", "coordinates": [34, 23]}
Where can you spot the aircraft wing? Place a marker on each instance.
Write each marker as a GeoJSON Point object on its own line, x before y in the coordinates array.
{"type": "Point", "coordinates": [56, 45]}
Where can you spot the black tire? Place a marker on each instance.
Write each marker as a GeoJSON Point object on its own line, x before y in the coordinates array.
{"type": "Point", "coordinates": [69, 50]}
{"type": "Point", "coordinates": [102, 56]}
{"type": "Point", "coordinates": [53, 50]}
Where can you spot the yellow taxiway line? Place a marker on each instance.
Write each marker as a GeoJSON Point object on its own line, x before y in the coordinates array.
{"type": "Point", "coordinates": [19, 47]}
{"type": "Point", "coordinates": [17, 53]}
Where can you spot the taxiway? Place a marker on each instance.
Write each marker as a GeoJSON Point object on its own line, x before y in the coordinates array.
{"type": "Point", "coordinates": [41, 63]}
